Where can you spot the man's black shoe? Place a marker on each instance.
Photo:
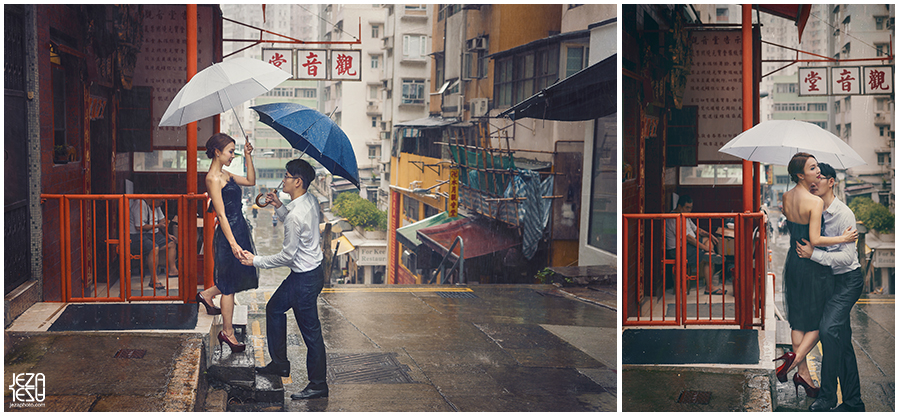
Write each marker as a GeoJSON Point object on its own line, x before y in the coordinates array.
{"type": "Point", "coordinates": [310, 393]}
{"type": "Point", "coordinates": [275, 369]}
{"type": "Point", "coordinates": [844, 408]}
{"type": "Point", "coordinates": [821, 404]}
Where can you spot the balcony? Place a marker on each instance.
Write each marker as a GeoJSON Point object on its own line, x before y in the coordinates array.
{"type": "Point", "coordinates": [373, 108]}
{"type": "Point", "coordinates": [882, 119]}
{"type": "Point", "coordinates": [413, 15]}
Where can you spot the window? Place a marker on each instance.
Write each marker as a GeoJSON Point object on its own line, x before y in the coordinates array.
{"type": "Point", "coordinates": [603, 220]}
{"type": "Point", "coordinates": [438, 71]}
{"type": "Point", "coordinates": [376, 31]}
{"type": "Point", "coordinates": [883, 159]}
{"type": "Point", "coordinates": [704, 174]}
{"type": "Point", "coordinates": [373, 92]}
{"type": "Point", "coordinates": [818, 107]}
{"type": "Point", "coordinates": [880, 104]}
{"type": "Point", "coordinates": [786, 88]}
{"type": "Point", "coordinates": [374, 61]}
{"type": "Point", "coordinates": [519, 77]}
{"type": "Point", "coordinates": [837, 106]}
{"type": "Point", "coordinates": [58, 81]}
{"type": "Point", "coordinates": [305, 92]}
{"type": "Point", "coordinates": [414, 46]}
{"type": "Point", "coordinates": [882, 130]}
{"type": "Point", "coordinates": [373, 152]}
{"type": "Point", "coordinates": [881, 49]}
{"type": "Point", "coordinates": [414, 7]}
{"type": "Point", "coordinates": [374, 121]}
{"type": "Point", "coordinates": [847, 104]}
{"type": "Point", "coordinates": [722, 15]}
{"type": "Point", "coordinates": [823, 125]}
{"type": "Point", "coordinates": [880, 22]}
{"type": "Point", "coordinates": [411, 208]}
{"type": "Point", "coordinates": [847, 133]}
{"type": "Point", "coordinates": [447, 10]}
{"type": "Point", "coordinates": [576, 58]}
{"type": "Point", "coordinates": [413, 92]}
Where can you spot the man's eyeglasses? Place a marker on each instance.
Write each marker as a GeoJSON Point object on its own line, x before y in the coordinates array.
{"type": "Point", "coordinates": [286, 176]}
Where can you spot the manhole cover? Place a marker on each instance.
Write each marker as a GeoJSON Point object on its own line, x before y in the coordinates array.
{"type": "Point", "coordinates": [130, 354]}
{"type": "Point", "coordinates": [367, 368]}
{"type": "Point", "coordinates": [455, 294]}
{"type": "Point", "coordinates": [694, 397]}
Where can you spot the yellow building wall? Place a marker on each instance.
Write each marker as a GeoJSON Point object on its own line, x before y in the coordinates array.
{"type": "Point", "coordinates": [404, 172]}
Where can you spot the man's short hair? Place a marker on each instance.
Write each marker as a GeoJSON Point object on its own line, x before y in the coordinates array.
{"type": "Point", "coordinates": [302, 169]}
{"type": "Point", "coordinates": [684, 199]}
{"type": "Point", "coordinates": [827, 171]}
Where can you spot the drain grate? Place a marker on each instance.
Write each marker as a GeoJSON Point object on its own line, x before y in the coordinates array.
{"type": "Point", "coordinates": [456, 294]}
{"type": "Point", "coordinates": [367, 368]}
{"type": "Point", "coordinates": [130, 354]}
{"type": "Point", "coordinates": [694, 397]}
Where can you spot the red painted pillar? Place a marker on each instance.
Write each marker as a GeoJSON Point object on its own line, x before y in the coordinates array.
{"type": "Point", "coordinates": [743, 306]}
{"type": "Point", "coordinates": [393, 245]}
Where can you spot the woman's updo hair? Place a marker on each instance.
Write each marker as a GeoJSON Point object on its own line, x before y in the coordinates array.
{"type": "Point", "coordinates": [217, 142]}
{"type": "Point", "coordinates": [798, 162]}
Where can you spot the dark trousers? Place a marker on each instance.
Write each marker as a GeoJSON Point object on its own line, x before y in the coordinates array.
{"type": "Point", "coordinates": [838, 358]}
{"type": "Point", "coordinates": [299, 291]}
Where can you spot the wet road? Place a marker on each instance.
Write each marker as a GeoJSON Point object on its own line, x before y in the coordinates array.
{"type": "Point", "coordinates": [426, 348]}
{"type": "Point", "coordinates": [872, 322]}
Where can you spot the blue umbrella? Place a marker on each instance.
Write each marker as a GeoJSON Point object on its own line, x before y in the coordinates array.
{"type": "Point", "coordinates": [313, 133]}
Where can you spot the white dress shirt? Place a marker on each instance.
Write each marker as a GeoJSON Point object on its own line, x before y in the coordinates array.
{"type": "Point", "coordinates": [140, 215]}
{"type": "Point", "coordinates": [689, 226]}
{"type": "Point", "coordinates": [300, 251]}
{"type": "Point", "coordinates": [842, 258]}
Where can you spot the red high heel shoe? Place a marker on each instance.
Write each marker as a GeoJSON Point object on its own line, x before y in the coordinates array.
{"type": "Point", "coordinates": [211, 309]}
{"type": "Point", "coordinates": [782, 371]}
{"type": "Point", "coordinates": [235, 347]}
{"type": "Point", "coordinates": [811, 391]}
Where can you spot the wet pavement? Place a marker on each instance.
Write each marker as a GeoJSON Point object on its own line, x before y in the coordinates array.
{"type": "Point", "coordinates": [391, 348]}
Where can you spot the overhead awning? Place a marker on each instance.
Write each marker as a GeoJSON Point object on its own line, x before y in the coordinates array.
{"type": "Point", "coordinates": [344, 248]}
{"type": "Point", "coordinates": [428, 122]}
{"type": "Point", "coordinates": [407, 234]}
{"type": "Point", "coordinates": [798, 13]}
{"type": "Point", "coordinates": [586, 95]}
{"type": "Point", "coordinates": [480, 237]}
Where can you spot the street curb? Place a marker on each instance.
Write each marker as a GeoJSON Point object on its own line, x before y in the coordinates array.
{"type": "Point", "coordinates": [586, 300]}
{"type": "Point", "coordinates": [181, 393]}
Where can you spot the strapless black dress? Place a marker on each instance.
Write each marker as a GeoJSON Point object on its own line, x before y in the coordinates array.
{"type": "Point", "coordinates": [807, 284]}
{"type": "Point", "coordinates": [230, 275]}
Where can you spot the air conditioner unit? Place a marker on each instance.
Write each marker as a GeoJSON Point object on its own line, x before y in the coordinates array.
{"type": "Point", "coordinates": [476, 44]}
{"type": "Point", "coordinates": [478, 107]}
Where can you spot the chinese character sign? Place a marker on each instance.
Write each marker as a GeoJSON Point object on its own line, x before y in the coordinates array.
{"type": "Point", "coordinates": [311, 64]}
{"type": "Point", "coordinates": [813, 82]}
{"type": "Point", "coordinates": [878, 80]}
{"type": "Point", "coordinates": [345, 65]}
{"type": "Point", "coordinates": [453, 203]}
{"type": "Point", "coordinates": [281, 58]}
{"type": "Point", "coordinates": [845, 80]}
{"type": "Point", "coordinates": [714, 87]}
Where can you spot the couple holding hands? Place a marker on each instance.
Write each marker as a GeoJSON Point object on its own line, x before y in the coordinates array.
{"type": "Point", "coordinates": [236, 264]}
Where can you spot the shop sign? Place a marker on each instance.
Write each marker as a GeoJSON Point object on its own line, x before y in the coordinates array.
{"type": "Point", "coordinates": [884, 258]}
{"type": "Point", "coordinates": [372, 255]}
{"type": "Point", "coordinates": [453, 203]}
{"type": "Point", "coordinates": [844, 80]}
{"type": "Point", "coordinates": [714, 86]}
{"type": "Point", "coordinates": [317, 64]}
{"type": "Point", "coordinates": [281, 58]}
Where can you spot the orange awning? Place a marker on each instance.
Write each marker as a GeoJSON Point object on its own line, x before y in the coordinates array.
{"type": "Point", "coordinates": [798, 13]}
{"type": "Point", "coordinates": [480, 237]}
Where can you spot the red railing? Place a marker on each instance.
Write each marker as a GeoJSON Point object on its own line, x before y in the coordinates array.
{"type": "Point", "coordinates": [657, 288]}
{"type": "Point", "coordinates": [95, 248]}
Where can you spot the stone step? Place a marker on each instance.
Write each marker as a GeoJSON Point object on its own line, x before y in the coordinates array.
{"type": "Point", "coordinates": [235, 373]}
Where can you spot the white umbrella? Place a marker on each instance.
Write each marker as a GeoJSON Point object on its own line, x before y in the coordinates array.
{"type": "Point", "coordinates": [776, 141]}
{"type": "Point", "coordinates": [220, 87]}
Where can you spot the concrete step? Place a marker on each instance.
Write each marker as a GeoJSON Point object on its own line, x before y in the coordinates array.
{"type": "Point", "coordinates": [235, 373]}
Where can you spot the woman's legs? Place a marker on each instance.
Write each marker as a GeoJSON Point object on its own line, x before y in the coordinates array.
{"type": "Point", "coordinates": [227, 306]}
{"type": "Point", "coordinates": [803, 343]}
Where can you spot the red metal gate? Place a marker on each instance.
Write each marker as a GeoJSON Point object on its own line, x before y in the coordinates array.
{"type": "Point", "coordinates": [665, 288]}
{"type": "Point", "coordinates": [95, 248]}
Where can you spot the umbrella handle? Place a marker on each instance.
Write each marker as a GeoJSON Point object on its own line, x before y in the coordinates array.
{"type": "Point", "coordinates": [263, 204]}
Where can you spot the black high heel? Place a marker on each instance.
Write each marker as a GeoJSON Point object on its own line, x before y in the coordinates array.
{"type": "Point", "coordinates": [782, 371]}
{"type": "Point", "coordinates": [210, 309]}
{"type": "Point", "coordinates": [235, 347]}
{"type": "Point", "coordinates": [811, 391]}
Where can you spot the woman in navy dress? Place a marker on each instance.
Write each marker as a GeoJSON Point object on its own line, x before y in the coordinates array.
{"type": "Point", "coordinates": [807, 284]}
{"type": "Point", "coordinates": [232, 235]}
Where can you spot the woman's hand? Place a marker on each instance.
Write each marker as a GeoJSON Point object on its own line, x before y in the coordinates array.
{"type": "Point", "coordinates": [248, 148]}
{"type": "Point", "coordinates": [850, 235]}
{"type": "Point", "coordinates": [237, 251]}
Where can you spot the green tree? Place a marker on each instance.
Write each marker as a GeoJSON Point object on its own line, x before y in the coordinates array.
{"type": "Point", "coordinates": [360, 212]}
{"type": "Point", "coordinates": [873, 215]}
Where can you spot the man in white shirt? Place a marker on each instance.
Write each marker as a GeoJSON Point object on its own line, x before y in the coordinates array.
{"type": "Point", "coordinates": [148, 227]}
{"type": "Point", "coordinates": [838, 359]}
{"type": "Point", "coordinates": [697, 239]}
{"type": "Point", "coordinates": [302, 253]}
